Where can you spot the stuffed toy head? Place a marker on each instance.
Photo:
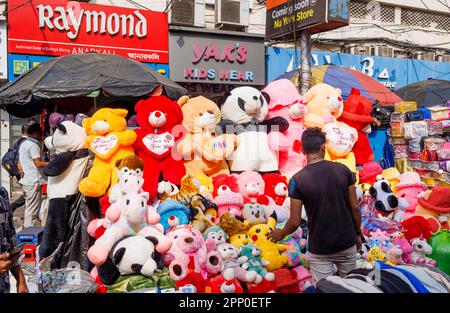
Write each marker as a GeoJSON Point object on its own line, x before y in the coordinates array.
{"type": "Point", "coordinates": [227, 251]}
{"type": "Point", "coordinates": [275, 187]}
{"type": "Point", "coordinates": [410, 187]}
{"type": "Point", "coordinates": [340, 139]}
{"type": "Point", "coordinates": [224, 182]}
{"type": "Point", "coordinates": [254, 213]}
{"type": "Point", "coordinates": [236, 230]}
{"type": "Point", "coordinates": [173, 214]}
{"type": "Point", "coordinates": [200, 114]}
{"type": "Point", "coordinates": [206, 187]}
{"type": "Point", "coordinates": [282, 92]}
{"type": "Point", "coordinates": [324, 102]}
{"type": "Point", "coordinates": [67, 136]}
{"type": "Point", "coordinates": [186, 239]}
{"type": "Point", "coordinates": [436, 203]}
{"type": "Point", "coordinates": [257, 233]}
{"type": "Point", "coordinates": [130, 165]}
{"type": "Point", "coordinates": [137, 255]}
{"type": "Point", "coordinates": [216, 233]}
{"type": "Point", "coordinates": [189, 187]}
{"type": "Point", "coordinates": [229, 201]}
{"type": "Point", "coordinates": [203, 211]}
{"type": "Point", "coordinates": [245, 104]}
{"type": "Point", "coordinates": [381, 191]}
{"type": "Point", "coordinates": [376, 254]}
{"type": "Point", "coordinates": [158, 112]}
{"type": "Point", "coordinates": [369, 172]}
{"type": "Point", "coordinates": [392, 175]}
{"type": "Point", "coordinates": [106, 121]}
{"type": "Point", "coordinates": [416, 226]}
{"type": "Point", "coordinates": [55, 118]}
{"type": "Point", "coordinates": [357, 110]}
{"type": "Point", "coordinates": [251, 184]}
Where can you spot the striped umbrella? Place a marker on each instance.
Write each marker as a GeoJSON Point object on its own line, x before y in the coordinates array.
{"type": "Point", "coordinates": [346, 79]}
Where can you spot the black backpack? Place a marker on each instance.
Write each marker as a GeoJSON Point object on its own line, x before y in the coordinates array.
{"type": "Point", "coordinates": [11, 159]}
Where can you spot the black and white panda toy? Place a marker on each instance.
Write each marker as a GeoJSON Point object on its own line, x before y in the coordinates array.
{"type": "Point", "coordinates": [64, 172]}
{"type": "Point", "coordinates": [246, 109]}
{"type": "Point", "coordinates": [381, 191]}
{"type": "Point", "coordinates": [131, 255]}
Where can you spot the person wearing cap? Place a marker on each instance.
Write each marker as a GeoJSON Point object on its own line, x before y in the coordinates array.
{"type": "Point", "coordinates": [327, 190]}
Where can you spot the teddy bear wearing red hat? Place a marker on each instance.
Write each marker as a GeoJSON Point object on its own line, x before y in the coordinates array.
{"type": "Point", "coordinates": [436, 203]}
{"type": "Point", "coordinates": [356, 114]}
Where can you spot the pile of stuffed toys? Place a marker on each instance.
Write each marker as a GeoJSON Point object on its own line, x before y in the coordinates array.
{"type": "Point", "coordinates": [189, 196]}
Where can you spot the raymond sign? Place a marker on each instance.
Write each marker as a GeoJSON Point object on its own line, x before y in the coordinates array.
{"type": "Point", "coordinates": [285, 18]}
{"type": "Point", "coordinates": [46, 27]}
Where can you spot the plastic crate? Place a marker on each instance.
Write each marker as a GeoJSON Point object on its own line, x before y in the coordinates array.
{"type": "Point", "coordinates": [405, 106]}
{"type": "Point", "coordinates": [31, 235]}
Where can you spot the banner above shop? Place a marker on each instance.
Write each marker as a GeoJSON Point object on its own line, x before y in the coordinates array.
{"type": "Point", "coordinates": [218, 58]}
{"type": "Point", "coordinates": [391, 72]}
{"type": "Point", "coordinates": [286, 18]}
{"type": "Point", "coordinates": [46, 27]}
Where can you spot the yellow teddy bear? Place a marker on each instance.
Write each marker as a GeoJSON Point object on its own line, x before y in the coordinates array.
{"type": "Point", "coordinates": [271, 251]}
{"type": "Point", "coordinates": [109, 139]}
{"type": "Point", "coordinates": [203, 149]}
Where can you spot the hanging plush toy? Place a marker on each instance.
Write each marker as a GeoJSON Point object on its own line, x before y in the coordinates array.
{"type": "Point", "coordinates": [160, 120]}
{"type": "Point", "coordinates": [356, 114]}
{"type": "Point", "coordinates": [324, 104]}
{"type": "Point", "coordinates": [204, 148]}
{"type": "Point", "coordinates": [110, 141]}
{"type": "Point", "coordinates": [64, 173]}
{"type": "Point", "coordinates": [245, 111]}
{"type": "Point", "coordinates": [285, 101]}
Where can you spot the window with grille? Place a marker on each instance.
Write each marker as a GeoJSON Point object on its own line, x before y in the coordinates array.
{"type": "Point", "coordinates": [421, 18]}
{"type": "Point", "coordinates": [363, 10]}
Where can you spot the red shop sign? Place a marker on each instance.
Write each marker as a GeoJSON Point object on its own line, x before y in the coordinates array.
{"type": "Point", "coordinates": [60, 27]}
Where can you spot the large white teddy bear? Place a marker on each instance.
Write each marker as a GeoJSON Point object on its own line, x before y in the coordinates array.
{"type": "Point", "coordinates": [244, 113]}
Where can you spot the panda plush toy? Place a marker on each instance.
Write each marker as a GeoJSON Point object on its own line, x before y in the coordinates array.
{"type": "Point", "coordinates": [244, 113]}
{"type": "Point", "coordinates": [131, 255]}
{"type": "Point", "coordinates": [381, 191]}
{"type": "Point", "coordinates": [64, 172]}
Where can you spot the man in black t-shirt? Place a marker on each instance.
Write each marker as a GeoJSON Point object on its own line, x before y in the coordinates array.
{"type": "Point", "coordinates": [327, 190]}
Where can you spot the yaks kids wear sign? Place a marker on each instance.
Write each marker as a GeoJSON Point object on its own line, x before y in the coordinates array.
{"type": "Point", "coordinates": [62, 27]}
{"type": "Point", "coordinates": [209, 57]}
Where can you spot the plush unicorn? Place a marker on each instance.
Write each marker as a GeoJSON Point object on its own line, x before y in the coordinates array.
{"type": "Point", "coordinates": [420, 249]}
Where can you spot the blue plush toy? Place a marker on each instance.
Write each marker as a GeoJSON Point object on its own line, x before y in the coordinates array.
{"type": "Point", "coordinates": [173, 214]}
{"type": "Point", "coordinates": [250, 260]}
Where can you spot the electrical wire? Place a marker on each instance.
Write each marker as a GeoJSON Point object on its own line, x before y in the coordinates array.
{"type": "Point", "coordinates": [137, 4]}
{"type": "Point", "coordinates": [15, 8]}
{"type": "Point", "coordinates": [169, 4]}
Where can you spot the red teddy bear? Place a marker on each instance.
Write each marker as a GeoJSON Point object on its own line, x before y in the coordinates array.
{"type": "Point", "coordinates": [158, 117]}
{"type": "Point", "coordinates": [356, 114]}
{"type": "Point", "coordinates": [276, 187]}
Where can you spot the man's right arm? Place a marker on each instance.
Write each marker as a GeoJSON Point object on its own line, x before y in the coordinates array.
{"type": "Point", "coordinates": [356, 212]}
{"type": "Point", "coordinates": [39, 163]}
{"type": "Point", "coordinates": [35, 153]}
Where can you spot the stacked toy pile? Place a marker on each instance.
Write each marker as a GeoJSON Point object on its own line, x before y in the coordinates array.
{"type": "Point", "coordinates": [189, 195]}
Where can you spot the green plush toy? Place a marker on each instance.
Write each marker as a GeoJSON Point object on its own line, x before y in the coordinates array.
{"type": "Point", "coordinates": [250, 260]}
{"type": "Point", "coordinates": [440, 243]}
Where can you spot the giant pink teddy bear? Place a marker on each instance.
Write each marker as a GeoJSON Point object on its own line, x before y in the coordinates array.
{"type": "Point", "coordinates": [130, 215]}
{"type": "Point", "coordinates": [285, 101]}
{"type": "Point", "coordinates": [191, 253]}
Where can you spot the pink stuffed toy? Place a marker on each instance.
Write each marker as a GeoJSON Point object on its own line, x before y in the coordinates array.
{"type": "Point", "coordinates": [410, 187]}
{"type": "Point", "coordinates": [406, 248]}
{"type": "Point", "coordinates": [191, 253]}
{"type": "Point", "coordinates": [228, 201]}
{"type": "Point", "coordinates": [251, 187]}
{"type": "Point", "coordinates": [130, 215]}
{"type": "Point", "coordinates": [285, 101]}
